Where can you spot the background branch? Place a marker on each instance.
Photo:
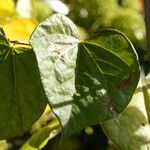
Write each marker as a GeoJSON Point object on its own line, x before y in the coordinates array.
{"type": "Point", "coordinates": [147, 21]}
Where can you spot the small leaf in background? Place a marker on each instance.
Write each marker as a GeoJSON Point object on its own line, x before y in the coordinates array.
{"type": "Point", "coordinates": [132, 24]}
{"type": "Point", "coordinates": [131, 4]}
{"type": "Point", "coordinates": [46, 117]}
{"type": "Point", "coordinates": [38, 140]}
{"type": "Point", "coordinates": [85, 82]}
{"type": "Point", "coordinates": [20, 29]}
{"type": "Point", "coordinates": [93, 15]}
{"type": "Point", "coordinates": [131, 129]}
{"type": "Point", "coordinates": [4, 145]}
{"type": "Point", "coordinates": [22, 99]}
{"type": "Point", "coordinates": [146, 92]}
{"type": "Point", "coordinates": [40, 9]}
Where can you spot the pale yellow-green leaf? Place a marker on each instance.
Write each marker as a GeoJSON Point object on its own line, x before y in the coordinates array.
{"type": "Point", "coordinates": [44, 119]}
{"type": "Point", "coordinates": [146, 90]}
{"type": "Point", "coordinates": [40, 139]}
{"type": "Point", "coordinates": [3, 145]}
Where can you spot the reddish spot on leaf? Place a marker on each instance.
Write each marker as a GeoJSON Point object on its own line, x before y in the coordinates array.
{"type": "Point", "coordinates": [123, 84]}
{"type": "Point", "coordinates": [110, 103]}
{"type": "Point", "coordinates": [57, 51]}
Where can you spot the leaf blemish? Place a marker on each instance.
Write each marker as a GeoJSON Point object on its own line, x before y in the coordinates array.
{"type": "Point", "coordinates": [110, 104]}
{"type": "Point", "coordinates": [58, 51]}
{"type": "Point", "coordinates": [123, 84]}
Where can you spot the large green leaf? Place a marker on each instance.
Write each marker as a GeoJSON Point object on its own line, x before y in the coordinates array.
{"type": "Point", "coordinates": [85, 82]}
{"type": "Point", "coordinates": [131, 129]}
{"type": "Point", "coordinates": [22, 100]}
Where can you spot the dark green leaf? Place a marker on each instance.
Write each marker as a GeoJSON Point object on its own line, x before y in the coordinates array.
{"type": "Point", "coordinates": [85, 82]}
{"type": "Point", "coordinates": [131, 129]}
{"type": "Point", "coordinates": [3, 39]}
{"type": "Point", "coordinates": [21, 96]}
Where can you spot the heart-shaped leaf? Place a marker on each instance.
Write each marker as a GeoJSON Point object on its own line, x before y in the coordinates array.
{"type": "Point", "coordinates": [22, 100]}
{"type": "Point", "coordinates": [86, 82]}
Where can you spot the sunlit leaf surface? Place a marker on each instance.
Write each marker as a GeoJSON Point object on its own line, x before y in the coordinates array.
{"type": "Point", "coordinates": [85, 82]}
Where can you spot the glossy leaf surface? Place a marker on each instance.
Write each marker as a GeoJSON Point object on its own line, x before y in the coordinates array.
{"type": "Point", "coordinates": [85, 82]}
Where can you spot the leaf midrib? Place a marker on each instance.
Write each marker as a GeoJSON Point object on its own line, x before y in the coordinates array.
{"type": "Point", "coordinates": [99, 69]}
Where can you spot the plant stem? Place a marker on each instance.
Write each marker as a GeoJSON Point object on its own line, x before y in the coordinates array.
{"type": "Point", "coordinates": [17, 42]}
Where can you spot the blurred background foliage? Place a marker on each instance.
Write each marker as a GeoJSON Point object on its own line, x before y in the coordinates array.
{"type": "Point", "coordinates": [20, 17]}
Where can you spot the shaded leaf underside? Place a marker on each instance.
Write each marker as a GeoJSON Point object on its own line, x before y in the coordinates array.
{"type": "Point", "coordinates": [21, 96]}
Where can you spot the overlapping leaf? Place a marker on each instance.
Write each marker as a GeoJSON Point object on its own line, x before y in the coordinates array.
{"type": "Point", "coordinates": [131, 129]}
{"type": "Point", "coordinates": [21, 95]}
{"type": "Point", "coordinates": [85, 82]}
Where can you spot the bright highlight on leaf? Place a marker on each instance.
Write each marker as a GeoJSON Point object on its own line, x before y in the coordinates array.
{"type": "Point", "coordinates": [85, 82]}
{"type": "Point", "coordinates": [22, 100]}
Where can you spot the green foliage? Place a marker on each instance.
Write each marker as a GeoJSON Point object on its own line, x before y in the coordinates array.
{"type": "Point", "coordinates": [40, 139]}
{"type": "Point", "coordinates": [131, 4]}
{"type": "Point", "coordinates": [130, 130]}
{"type": "Point", "coordinates": [93, 14]}
{"type": "Point", "coordinates": [131, 24]}
{"type": "Point", "coordinates": [85, 81]}
{"type": "Point", "coordinates": [40, 9]}
{"type": "Point", "coordinates": [21, 97]}
{"type": "Point", "coordinates": [124, 15]}
{"type": "Point", "coordinates": [69, 144]}
{"type": "Point", "coordinates": [79, 78]}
